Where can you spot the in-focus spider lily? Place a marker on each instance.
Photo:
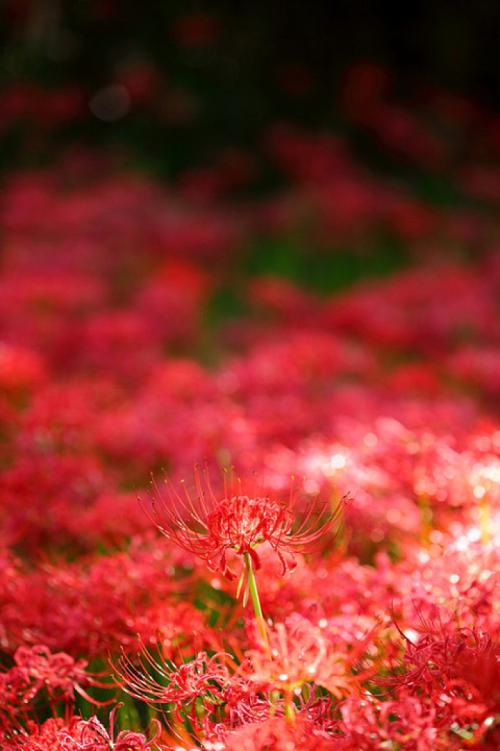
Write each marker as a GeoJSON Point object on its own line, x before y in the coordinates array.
{"type": "Point", "coordinates": [234, 521]}
{"type": "Point", "coordinates": [215, 524]}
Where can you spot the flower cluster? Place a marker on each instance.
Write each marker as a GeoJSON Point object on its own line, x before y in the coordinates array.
{"type": "Point", "coordinates": [315, 564]}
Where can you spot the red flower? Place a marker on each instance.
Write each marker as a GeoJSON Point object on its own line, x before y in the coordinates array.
{"type": "Point", "coordinates": [36, 670]}
{"type": "Point", "coordinates": [77, 735]}
{"type": "Point", "coordinates": [276, 734]}
{"type": "Point", "coordinates": [194, 684]}
{"type": "Point", "coordinates": [462, 662]}
{"type": "Point", "coordinates": [214, 524]}
{"type": "Point", "coordinates": [91, 735]}
{"type": "Point", "coordinates": [185, 684]}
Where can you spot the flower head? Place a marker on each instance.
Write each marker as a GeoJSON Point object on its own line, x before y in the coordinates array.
{"type": "Point", "coordinates": [461, 662]}
{"type": "Point", "coordinates": [234, 520]}
{"type": "Point", "coordinates": [187, 687]}
{"type": "Point", "coordinates": [91, 735]}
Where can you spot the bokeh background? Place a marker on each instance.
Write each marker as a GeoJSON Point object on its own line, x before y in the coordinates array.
{"type": "Point", "coordinates": [205, 96]}
{"type": "Point", "coordinates": [260, 235]}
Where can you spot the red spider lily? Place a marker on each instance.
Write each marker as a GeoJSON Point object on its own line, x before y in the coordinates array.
{"type": "Point", "coordinates": [408, 723]}
{"type": "Point", "coordinates": [461, 662]}
{"type": "Point", "coordinates": [91, 735]}
{"type": "Point", "coordinates": [54, 735]}
{"type": "Point", "coordinates": [302, 653]}
{"type": "Point", "coordinates": [78, 735]}
{"type": "Point", "coordinates": [275, 734]}
{"type": "Point", "coordinates": [244, 703]}
{"type": "Point", "coordinates": [37, 669]}
{"type": "Point", "coordinates": [214, 524]}
{"type": "Point", "coordinates": [58, 672]}
{"type": "Point", "coordinates": [199, 679]}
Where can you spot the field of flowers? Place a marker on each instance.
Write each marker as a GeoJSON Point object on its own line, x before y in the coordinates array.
{"type": "Point", "coordinates": [249, 497]}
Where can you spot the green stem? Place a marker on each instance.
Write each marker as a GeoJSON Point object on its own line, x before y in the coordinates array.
{"type": "Point", "coordinates": [254, 594]}
{"type": "Point", "coordinates": [289, 709]}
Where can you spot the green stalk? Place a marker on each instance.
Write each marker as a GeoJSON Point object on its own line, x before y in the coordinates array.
{"type": "Point", "coordinates": [289, 708]}
{"type": "Point", "coordinates": [254, 594]}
